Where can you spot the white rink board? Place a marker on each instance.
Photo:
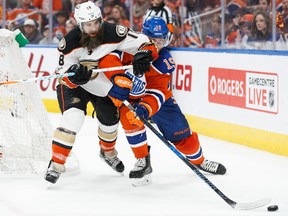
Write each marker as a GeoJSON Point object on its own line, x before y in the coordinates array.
{"type": "Point", "coordinates": [195, 102]}
{"type": "Point", "coordinates": [251, 90]}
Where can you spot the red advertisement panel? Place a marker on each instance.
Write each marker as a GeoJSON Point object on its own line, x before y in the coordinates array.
{"type": "Point", "coordinates": [243, 89]}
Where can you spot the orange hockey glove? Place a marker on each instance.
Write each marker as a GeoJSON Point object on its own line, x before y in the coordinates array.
{"type": "Point", "coordinates": [140, 111]}
{"type": "Point", "coordinates": [122, 85]}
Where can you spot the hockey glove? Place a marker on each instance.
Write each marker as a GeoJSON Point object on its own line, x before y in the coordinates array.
{"type": "Point", "coordinates": [121, 88]}
{"type": "Point", "coordinates": [82, 75]}
{"type": "Point", "coordinates": [140, 111]}
{"type": "Point", "coordinates": [141, 62]}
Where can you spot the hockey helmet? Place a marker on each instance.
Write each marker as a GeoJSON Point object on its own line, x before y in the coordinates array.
{"type": "Point", "coordinates": [155, 27]}
{"type": "Point", "coordinates": [87, 11]}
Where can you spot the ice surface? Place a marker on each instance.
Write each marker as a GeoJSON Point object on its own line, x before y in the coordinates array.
{"type": "Point", "coordinates": [175, 190]}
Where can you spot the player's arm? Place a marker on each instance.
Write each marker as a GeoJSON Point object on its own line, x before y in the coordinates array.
{"type": "Point", "coordinates": [66, 65]}
{"type": "Point", "coordinates": [122, 84]}
{"type": "Point", "coordinates": [143, 49]}
{"type": "Point", "coordinates": [70, 51]}
{"type": "Point", "coordinates": [157, 92]}
{"type": "Point", "coordinates": [147, 53]}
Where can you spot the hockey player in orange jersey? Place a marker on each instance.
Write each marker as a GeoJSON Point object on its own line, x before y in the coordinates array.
{"type": "Point", "coordinates": [151, 96]}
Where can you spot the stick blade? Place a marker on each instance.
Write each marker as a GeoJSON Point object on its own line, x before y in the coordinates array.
{"type": "Point", "coordinates": [252, 205]}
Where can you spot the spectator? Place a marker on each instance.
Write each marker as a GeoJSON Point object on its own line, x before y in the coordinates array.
{"type": "Point", "coordinates": [192, 27]}
{"type": "Point", "coordinates": [240, 13]}
{"type": "Point", "coordinates": [45, 40]}
{"type": "Point", "coordinates": [244, 32]}
{"type": "Point", "coordinates": [70, 24]}
{"type": "Point", "coordinates": [109, 4]}
{"type": "Point", "coordinates": [261, 37]}
{"type": "Point", "coordinates": [230, 31]}
{"type": "Point", "coordinates": [67, 6]}
{"type": "Point", "coordinates": [118, 14]}
{"type": "Point", "coordinates": [18, 16]}
{"type": "Point", "coordinates": [284, 15]}
{"type": "Point", "coordinates": [234, 5]}
{"type": "Point", "coordinates": [139, 9]}
{"type": "Point", "coordinates": [11, 4]}
{"type": "Point", "coordinates": [213, 39]}
{"type": "Point", "coordinates": [61, 18]}
{"type": "Point", "coordinates": [43, 5]}
{"type": "Point", "coordinates": [31, 32]}
{"type": "Point", "coordinates": [264, 5]}
{"type": "Point", "coordinates": [107, 10]}
{"type": "Point", "coordinates": [161, 10]}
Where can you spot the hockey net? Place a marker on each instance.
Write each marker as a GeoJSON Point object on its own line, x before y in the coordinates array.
{"type": "Point", "coordinates": [25, 129]}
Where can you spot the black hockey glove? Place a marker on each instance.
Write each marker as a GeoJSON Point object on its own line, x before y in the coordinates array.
{"type": "Point", "coordinates": [82, 74]}
{"type": "Point", "coordinates": [141, 62]}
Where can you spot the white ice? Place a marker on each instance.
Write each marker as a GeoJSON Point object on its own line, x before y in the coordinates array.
{"type": "Point", "coordinates": [175, 190]}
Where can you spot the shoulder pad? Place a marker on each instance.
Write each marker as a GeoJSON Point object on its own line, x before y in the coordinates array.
{"type": "Point", "coordinates": [161, 64]}
{"type": "Point", "coordinates": [114, 33]}
{"type": "Point", "coordinates": [70, 41]}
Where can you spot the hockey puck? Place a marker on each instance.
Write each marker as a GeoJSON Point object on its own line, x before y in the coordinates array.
{"type": "Point", "coordinates": [272, 208]}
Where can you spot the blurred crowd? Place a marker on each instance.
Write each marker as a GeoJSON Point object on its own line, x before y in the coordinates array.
{"type": "Point", "coordinates": [247, 24]}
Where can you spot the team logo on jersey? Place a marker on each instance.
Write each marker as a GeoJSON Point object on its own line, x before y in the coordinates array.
{"type": "Point", "coordinates": [121, 30]}
{"type": "Point", "coordinates": [62, 44]}
{"type": "Point", "coordinates": [91, 65]}
{"type": "Point", "coordinates": [139, 84]}
{"type": "Point", "coordinates": [74, 100]}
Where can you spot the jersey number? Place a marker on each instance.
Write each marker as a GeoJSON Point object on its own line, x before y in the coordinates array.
{"type": "Point", "coordinates": [61, 60]}
{"type": "Point", "coordinates": [170, 63]}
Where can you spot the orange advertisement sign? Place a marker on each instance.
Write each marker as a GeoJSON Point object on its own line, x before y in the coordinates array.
{"type": "Point", "coordinates": [243, 89]}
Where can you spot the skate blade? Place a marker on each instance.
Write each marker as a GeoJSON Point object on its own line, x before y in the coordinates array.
{"type": "Point", "coordinates": [120, 173]}
{"type": "Point", "coordinates": [138, 182]}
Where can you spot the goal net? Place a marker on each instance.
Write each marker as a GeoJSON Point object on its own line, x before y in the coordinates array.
{"type": "Point", "coordinates": [25, 129]}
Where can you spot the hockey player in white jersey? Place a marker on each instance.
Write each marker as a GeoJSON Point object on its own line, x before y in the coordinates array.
{"type": "Point", "coordinates": [79, 52]}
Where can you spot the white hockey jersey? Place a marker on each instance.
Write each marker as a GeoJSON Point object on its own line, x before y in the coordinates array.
{"type": "Point", "coordinates": [116, 37]}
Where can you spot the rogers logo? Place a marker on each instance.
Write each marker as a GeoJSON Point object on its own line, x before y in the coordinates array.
{"type": "Point", "coordinates": [226, 86]}
{"type": "Point", "coordinates": [244, 89]}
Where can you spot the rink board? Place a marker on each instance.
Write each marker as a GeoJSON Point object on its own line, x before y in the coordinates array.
{"type": "Point", "coordinates": [233, 95]}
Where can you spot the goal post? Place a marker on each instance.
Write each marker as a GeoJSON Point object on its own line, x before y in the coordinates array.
{"type": "Point", "coordinates": [25, 128]}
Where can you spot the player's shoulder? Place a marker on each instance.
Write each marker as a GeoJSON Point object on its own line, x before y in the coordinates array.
{"type": "Point", "coordinates": [70, 41]}
{"type": "Point", "coordinates": [165, 62]}
{"type": "Point", "coordinates": [114, 33]}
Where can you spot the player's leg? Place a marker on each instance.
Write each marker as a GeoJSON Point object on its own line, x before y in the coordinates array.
{"type": "Point", "coordinates": [72, 103]}
{"type": "Point", "coordinates": [108, 120]}
{"type": "Point", "coordinates": [136, 136]}
{"type": "Point", "coordinates": [183, 138]}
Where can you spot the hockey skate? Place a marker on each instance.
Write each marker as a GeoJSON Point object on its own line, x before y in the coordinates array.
{"type": "Point", "coordinates": [141, 174]}
{"type": "Point", "coordinates": [54, 171]}
{"type": "Point", "coordinates": [212, 167]}
{"type": "Point", "coordinates": [115, 163]}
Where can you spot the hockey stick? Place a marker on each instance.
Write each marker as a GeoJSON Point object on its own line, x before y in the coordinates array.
{"type": "Point", "coordinates": [112, 68]}
{"type": "Point", "coordinates": [36, 78]}
{"type": "Point", "coordinates": [233, 204]}
{"type": "Point", "coordinates": [64, 75]}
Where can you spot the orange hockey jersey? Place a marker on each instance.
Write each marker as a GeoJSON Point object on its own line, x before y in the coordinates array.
{"type": "Point", "coordinates": [154, 86]}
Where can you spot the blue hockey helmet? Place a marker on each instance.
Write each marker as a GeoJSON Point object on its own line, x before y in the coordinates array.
{"type": "Point", "coordinates": [155, 27]}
